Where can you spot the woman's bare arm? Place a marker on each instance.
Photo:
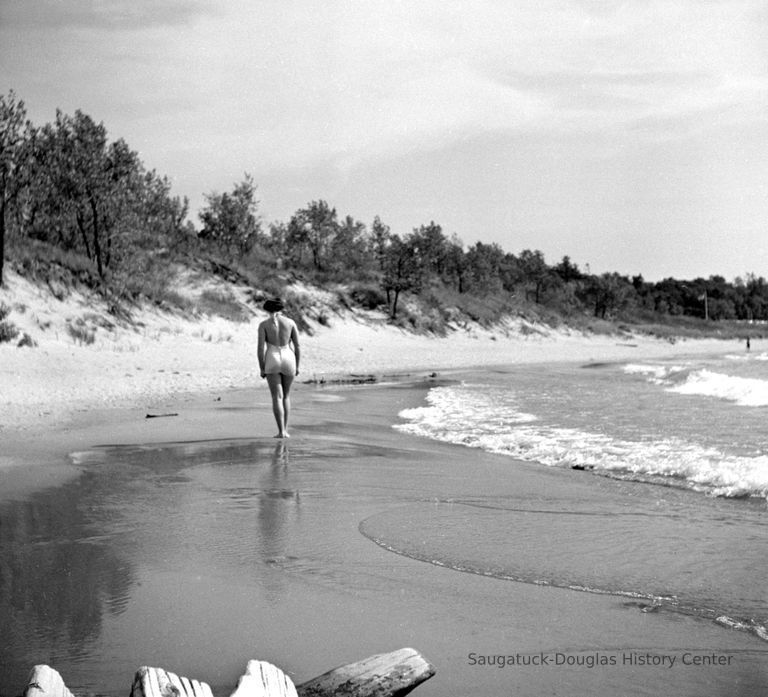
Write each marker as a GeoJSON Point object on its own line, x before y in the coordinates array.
{"type": "Point", "coordinates": [260, 349]}
{"type": "Point", "coordinates": [296, 347]}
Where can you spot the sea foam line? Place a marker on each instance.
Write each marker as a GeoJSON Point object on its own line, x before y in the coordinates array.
{"type": "Point", "coordinates": [747, 392]}
{"type": "Point", "coordinates": [466, 415]}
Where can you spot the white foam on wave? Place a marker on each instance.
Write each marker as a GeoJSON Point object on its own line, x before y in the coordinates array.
{"type": "Point", "coordinates": [747, 357]}
{"type": "Point", "coordinates": [747, 392]}
{"type": "Point", "coordinates": [655, 373]}
{"type": "Point", "coordinates": [471, 417]}
{"type": "Point", "coordinates": [447, 413]}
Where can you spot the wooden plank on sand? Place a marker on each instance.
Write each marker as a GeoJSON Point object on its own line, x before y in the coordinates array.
{"type": "Point", "coordinates": [262, 679]}
{"type": "Point", "coordinates": [156, 682]}
{"type": "Point", "coordinates": [44, 681]}
{"type": "Point", "coordinates": [383, 675]}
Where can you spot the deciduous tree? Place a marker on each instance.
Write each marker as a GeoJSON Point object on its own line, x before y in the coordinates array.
{"type": "Point", "coordinates": [402, 271]}
{"type": "Point", "coordinates": [14, 152]}
{"type": "Point", "coordinates": [230, 220]}
{"type": "Point", "coordinates": [610, 292]}
{"type": "Point", "coordinates": [313, 228]}
{"type": "Point", "coordinates": [86, 187]}
{"type": "Point", "coordinates": [348, 248]}
{"type": "Point", "coordinates": [380, 239]}
{"type": "Point", "coordinates": [536, 275]}
{"type": "Point", "coordinates": [430, 246]}
{"type": "Point", "coordinates": [484, 262]}
{"type": "Point", "coordinates": [456, 264]}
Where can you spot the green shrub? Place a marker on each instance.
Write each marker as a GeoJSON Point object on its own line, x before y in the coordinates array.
{"type": "Point", "coordinates": [369, 297]}
{"type": "Point", "coordinates": [81, 333]}
{"type": "Point", "coordinates": [148, 279]}
{"type": "Point", "coordinates": [59, 268]}
{"type": "Point", "coordinates": [343, 298]}
{"type": "Point", "coordinates": [295, 310]}
{"type": "Point", "coordinates": [485, 310]}
{"type": "Point", "coordinates": [174, 300]}
{"type": "Point", "coordinates": [8, 330]}
{"type": "Point", "coordinates": [222, 304]}
{"type": "Point", "coordinates": [416, 317]}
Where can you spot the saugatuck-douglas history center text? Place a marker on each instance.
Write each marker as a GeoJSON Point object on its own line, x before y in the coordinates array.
{"type": "Point", "coordinates": [598, 659]}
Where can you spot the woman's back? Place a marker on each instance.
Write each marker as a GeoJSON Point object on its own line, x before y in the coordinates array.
{"type": "Point", "coordinates": [278, 330]}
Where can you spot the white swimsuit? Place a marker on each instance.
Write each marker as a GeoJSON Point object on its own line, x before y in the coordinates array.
{"type": "Point", "coordinates": [279, 359]}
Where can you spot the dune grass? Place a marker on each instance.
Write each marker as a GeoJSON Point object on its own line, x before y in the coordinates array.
{"type": "Point", "coordinates": [437, 309]}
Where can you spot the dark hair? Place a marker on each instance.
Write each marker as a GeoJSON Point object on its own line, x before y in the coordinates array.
{"type": "Point", "coordinates": [274, 305]}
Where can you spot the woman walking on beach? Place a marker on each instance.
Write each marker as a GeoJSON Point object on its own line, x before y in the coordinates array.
{"type": "Point", "coordinates": [278, 362]}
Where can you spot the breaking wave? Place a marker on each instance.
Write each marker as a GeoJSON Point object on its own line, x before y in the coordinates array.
{"type": "Point", "coordinates": [479, 418]}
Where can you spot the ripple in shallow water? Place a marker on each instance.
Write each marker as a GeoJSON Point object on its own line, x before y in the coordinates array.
{"type": "Point", "coordinates": [679, 560]}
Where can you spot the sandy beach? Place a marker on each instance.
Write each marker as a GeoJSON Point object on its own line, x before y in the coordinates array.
{"type": "Point", "coordinates": [196, 541]}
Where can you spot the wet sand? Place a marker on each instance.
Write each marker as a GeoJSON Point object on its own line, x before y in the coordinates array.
{"type": "Point", "coordinates": [198, 542]}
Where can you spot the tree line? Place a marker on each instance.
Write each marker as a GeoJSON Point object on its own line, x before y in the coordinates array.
{"type": "Point", "coordinates": [66, 186]}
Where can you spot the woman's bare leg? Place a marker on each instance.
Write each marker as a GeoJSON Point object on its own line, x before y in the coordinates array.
{"type": "Point", "coordinates": [286, 382]}
{"type": "Point", "coordinates": [274, 381]}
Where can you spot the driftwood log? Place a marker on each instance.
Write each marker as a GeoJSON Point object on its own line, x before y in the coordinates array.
{"type": "Point", "coordinates": [262, 679]}
{"type": "Point", "coordinates": [384, 675]}
{"type": "Point", "coordinates": [156, 682]}
{"type": "Point", "coordinates": [45, 682]}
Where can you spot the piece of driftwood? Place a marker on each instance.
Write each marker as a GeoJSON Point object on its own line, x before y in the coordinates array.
{"type": "Point", "coordinates": [383, 675]}
{"type": "Point", "coordinates": [44, 681]}
{"type": "Point", "coordinates": [156, 682]}
{"type": "Point", "coordinates": [262, 679]}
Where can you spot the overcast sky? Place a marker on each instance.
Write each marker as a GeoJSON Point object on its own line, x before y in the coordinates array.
{"type": "Point", "coordinates": [631, 136]}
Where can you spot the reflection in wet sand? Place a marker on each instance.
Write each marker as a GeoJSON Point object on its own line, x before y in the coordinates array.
{"type": "Point", "coordinates": [272, 500]}
{"type": "Point", "coordinates": [59, 573]}
{"type": "Point", "coordinates": [70, 555]}
{"type": "Point", "coordinates": [274, 506]}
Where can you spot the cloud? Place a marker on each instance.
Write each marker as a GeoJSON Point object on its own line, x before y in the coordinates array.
{"type": "Point", "coordinates": [370, 78]}
{"type": "Point", "coordinates": [296, 81]}
{"type": "Point", "coordinates": [299, 90]}
{"type": "Point", "coordinates": [115, 15]}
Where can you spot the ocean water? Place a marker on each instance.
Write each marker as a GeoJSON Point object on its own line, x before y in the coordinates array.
{"type": "Point", "coordinates": [677, 454]}
{"type": "Point", "coordinates": [700, 423]}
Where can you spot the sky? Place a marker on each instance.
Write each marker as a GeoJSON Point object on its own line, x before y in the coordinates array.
{"type": "Point", "coordinates": [631, 136]}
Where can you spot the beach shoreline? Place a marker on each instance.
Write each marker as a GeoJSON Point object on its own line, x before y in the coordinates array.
{"type": "Point", "coordinates": [60, 388]}
{"type": "Point", "coordinates": [85, 359]}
